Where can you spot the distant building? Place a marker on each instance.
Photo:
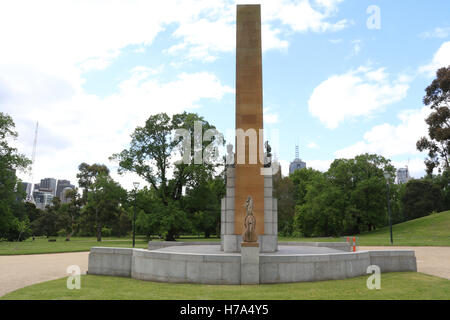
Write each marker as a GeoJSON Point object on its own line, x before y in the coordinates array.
{"type": "Point", "coordinates": [63, 184]}
{"type": "Point", "coordinates": [297, 163]}
{"type": "Point", "coordinates": [403, 175]}
{"type": "Point", "coordinates": [42, 199]}
{"type": "Point", "coordinates": [63, 197]}
{"type": "Point", "coordinates": [49, 185]}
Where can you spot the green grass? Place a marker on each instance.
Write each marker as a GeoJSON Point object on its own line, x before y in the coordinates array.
{"type": "Point", "coordinates": [76, 244]}
{"type": "Point", "coordinates": [397, 285]}
{"type": "Point", "coordinates": [432, 230]}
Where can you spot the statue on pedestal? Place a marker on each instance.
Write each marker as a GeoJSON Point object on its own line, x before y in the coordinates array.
{"type": "Point", "coordinates": [229, 161]}
{"type": "Point", "coordinates": [249, 222]}
{"type": "Point", "coordinates": [267, 155]}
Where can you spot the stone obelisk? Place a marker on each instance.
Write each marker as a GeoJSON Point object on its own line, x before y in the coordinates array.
{"type": "Point", "coordinates": [249, 115]}
{"type": "Point", "coordinates": [248, 190]}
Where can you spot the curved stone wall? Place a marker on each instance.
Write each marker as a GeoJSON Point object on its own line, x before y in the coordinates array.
{"type": "Point", "coordinates": [226, 268]}
{"type": "Point", "coordinates": [177, 267]}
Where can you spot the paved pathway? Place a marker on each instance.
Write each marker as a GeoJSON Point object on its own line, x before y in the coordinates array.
{"type": "Point", "coordinates": [23, 270]}
{"type": "Point", "coordinates": [430, 260]}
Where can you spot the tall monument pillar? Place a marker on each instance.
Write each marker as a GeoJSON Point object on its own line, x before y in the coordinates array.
{"type": "Point", "coordinates": [245, 178]}
{"type": "Point", "coordinates": [249, 117]}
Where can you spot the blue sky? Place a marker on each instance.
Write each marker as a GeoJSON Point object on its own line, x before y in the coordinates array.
{"type": "Point", "coordinates": [91, 71]}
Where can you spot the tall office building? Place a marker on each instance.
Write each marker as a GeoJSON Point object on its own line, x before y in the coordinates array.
{"type": "Point", "coordinates": [61, 185]}
{"type": "Point", "coordinates": [403, 175]}
{"type": "Point", "coordinates": [297, 163]}
{"type": "Point", "coordinates": [42, 199]}
{"type": "Point", "coordinates": [48, 185]}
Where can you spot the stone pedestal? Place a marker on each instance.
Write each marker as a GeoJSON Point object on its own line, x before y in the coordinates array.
{"type": "Point", "coordinates": [249, 263]}
{"type": "Point", "coordinates": [230, 241]}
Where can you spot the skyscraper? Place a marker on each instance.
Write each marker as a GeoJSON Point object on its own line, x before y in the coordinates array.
{"type": "Point", "coordinates": [48, 185]}
{"type": "Point", "coordinates": [297, 163]}
{"type": "Point", "coordinates": [403, 175]}
{"type": "Point", "coordinates": [62, 184]}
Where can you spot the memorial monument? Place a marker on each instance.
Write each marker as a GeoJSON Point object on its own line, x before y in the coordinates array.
{"type": "Point", "coordinates": [246, 178]}
{"type": "Point", "coordinates": [249, 252]}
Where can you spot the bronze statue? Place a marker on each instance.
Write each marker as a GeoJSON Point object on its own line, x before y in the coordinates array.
{"type": "Point", "coordinates": [249, 222]}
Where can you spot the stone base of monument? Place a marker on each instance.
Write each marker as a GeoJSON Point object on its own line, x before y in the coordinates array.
{"type": "Point", "coordinates": [249, 263]}
{"type": "Point", "coordinates": [207, 263]}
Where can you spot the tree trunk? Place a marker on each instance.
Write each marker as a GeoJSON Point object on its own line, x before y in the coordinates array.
{"type": "Point", "coordinates": [99, 233]}
{"type": "Point", "coordinates": [170, 236]}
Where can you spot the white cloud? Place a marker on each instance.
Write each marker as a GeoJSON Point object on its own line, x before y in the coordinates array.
{"type": "Point", "coordinates": [270, 117]}
{"type": "Point", "coordinates": [301, 16]}
{"type": "Point", "coordinates": [214, 33]}
{"type": "Point", "coordinates": [436, 33]}
{"type": "Point", "coordinates": [312, 145]}
{"type": "Point", "coordinates": [321, 165]}
{"type": "Point", "coordinates": [354, 94]}
{"type": "Point", "coordinates": [440, 59]}
{"type": "Point", "coordinates": [389, 140]}
{"type": "Point", "coordinates": [88, 128]}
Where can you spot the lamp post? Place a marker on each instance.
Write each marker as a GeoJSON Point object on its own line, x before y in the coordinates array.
{"type": "Point", "coordinates": [387, 176]}
{"type": "Point", "coordinates": [136, 186]}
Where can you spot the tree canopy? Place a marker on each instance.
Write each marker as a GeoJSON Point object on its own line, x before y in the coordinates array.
{"type": "Point", "coordinates": [438, 145]}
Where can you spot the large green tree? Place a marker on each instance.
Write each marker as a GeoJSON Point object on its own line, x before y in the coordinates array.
{"type": "Point", "coordinates": [10, 161]}
{"type": "Point", "coordinates": [349, 198]}
{"type": "Point", "coordinates": [438, 145]}
{"type": "Point", "coordinates": [421, 197]}
{"type": "Point", "coordinates": [104, 203]}
{"type": "Point", "coordinates": [152, 153]}
{"type": "Point", "coordinates": [69, 213]}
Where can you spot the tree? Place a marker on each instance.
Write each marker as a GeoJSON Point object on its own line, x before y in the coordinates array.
{"type": "Point", "coordinates": [10, 161]}
{"type": "Point", "coordinates": [421, 198]}
{"type": "Point", "coordinates": [202, 204]}
{"type": "Point", "coordinates": [150, 153]}
{"type": "Point", "coordinates": [438, 146]}
{"type": "Point", "coordinates": [283, 191]}
{"type": "Point", "coordinates": [69, 213]}
{"type": "Point", "coordinates": [88, 176]}
{"type": "Point", "coordinates": [104, 203]}
{"type": "Point", "coordinates": [47, 221]}
{"type": "Point", "coordinates": [349, 198]}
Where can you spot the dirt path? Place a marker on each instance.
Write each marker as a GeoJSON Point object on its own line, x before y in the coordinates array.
{"type": "Point", "coordinates": [23, 270]}
{"type": "Point", "coordinates": [430, 260]}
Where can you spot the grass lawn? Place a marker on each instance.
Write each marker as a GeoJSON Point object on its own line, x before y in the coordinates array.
{"type": "Point", "coordinates": [396, 285]}
{"type": "Point", "coordinates": [76, 244]}
{"type": "Point", "coordinates": [432, 230]}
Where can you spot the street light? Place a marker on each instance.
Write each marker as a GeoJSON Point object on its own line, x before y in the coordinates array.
{"type": "Point", "coordinates": [387, 176]}
{"type": "Point", "coordinates": [136, 186]}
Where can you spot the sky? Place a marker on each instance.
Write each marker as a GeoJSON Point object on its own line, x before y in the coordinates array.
{"type": "Point", "coordinates": [340, 77]}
